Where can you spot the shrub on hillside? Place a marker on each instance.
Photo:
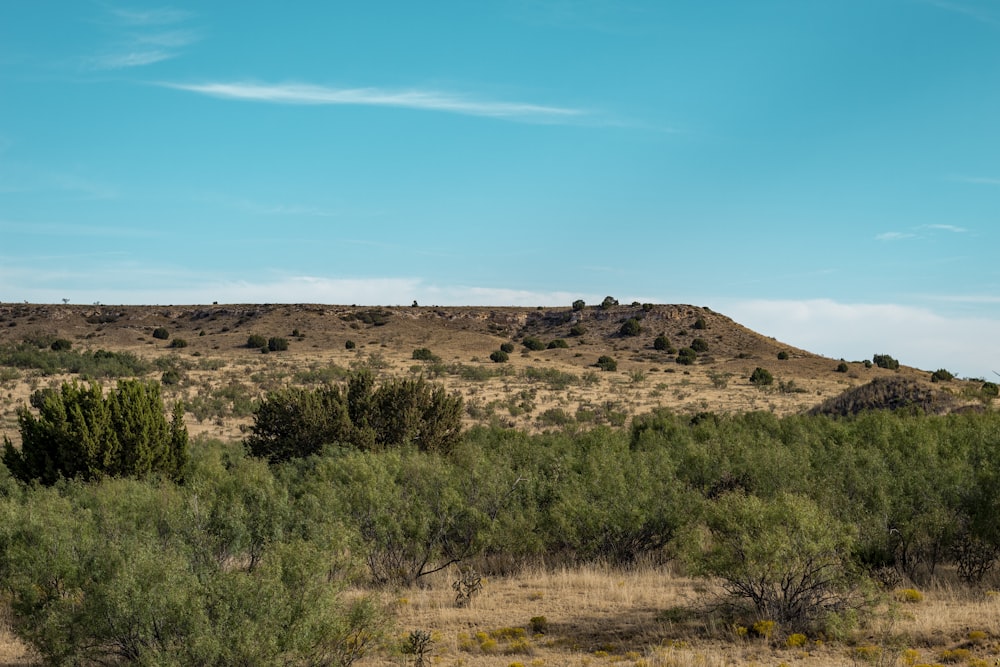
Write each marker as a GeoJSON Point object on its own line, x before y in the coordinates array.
{"type": "Point", "coordinates": [60, 345]}
{"type": "Point", "coordinates": [507, 347]}
{"type": "Point", "coordinates": [579, 304]}
{"type": "Point", "coordinates": [783, 356]}
{"type": "Point", "coordinates": [630, 327]}
{"type": "Point", "coordinates": [161, 333]}
{"type": "Point", "coordinates": [178, 343]}
{"type": "Point", "coordinates": [699, 345]}
{"type": "Point", "coordinates": [661, 342]}
{"type": "Point", "coordinates": [277, 344]}
{"type": "Point", "coordinates": [256, 341]}
{"type": "Point", "coordinates": [686, 356]}
{"type": "Point", "coordinates": [608, 302]}
{"type": "Point", "coordinates": [424, 354]}
{"type": "Point", "coordinates": [533, 344]}
{"type": "Point", "coordinates": [761, 377]}
{"type": "Point", "coordinates": [885, 361]}
{"type": "Point", "coordinates": [842, 367]}
{"type": "Point", "coordinates": [558, 343]}
{"type": "Point", "coordinates": [606, 363]}
{"type": "Point", "coordinates": [700, 323]}
{"type": "Point", "coordinates": [942, 375]}
{"type": "Point", "coordinates": [499, 356]}
{"type": "Point", "coordinates": [990, 389]}
{"type": "Point", "coordinates": [349, 345]}
{"type": "Point", "coordinates": [577, 330]}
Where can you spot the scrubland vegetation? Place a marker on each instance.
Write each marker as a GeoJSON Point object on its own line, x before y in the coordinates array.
{"type": "Point", "coordinates": [298, 545]}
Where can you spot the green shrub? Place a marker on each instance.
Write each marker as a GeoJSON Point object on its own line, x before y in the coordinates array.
{"type": "Point", "coordinates": [499, 356]}
{"type": "Point", "coordinates": [178, 343]}
{"type": "Point", "coordinates": [277, 344]}
{"type": "Point", "coordinates": [533, 343]}
{"type": "Point", "coordinates": [60, 345]}
{"type": "Point", "coordinates": [558, 343]}
{"type": "Point", "coordinates": [630, 327]}
{"type": "Point", "coordinates": [80, 432]}
{"type": "Point", "coordinates": [579, 304]}
{"type": "Point", "coordinates": [942, 375]}
{"type": "Point", "coordinates": [842, 367]}
{"type": "Point", "coordinates": [424, 354]}
{"type": "Point", "coordinates": [885, 361]}
{"type": "Point", "coordinates": [507, 347]}
{"type": "Point", "coordinates": [761, 377]}
{"type": "Point", "coordinates": [699, 345]}
{"type": "Point", "coordinates": [577, 330]}
{"type": "Point", "coordinates": [990, 389]}
{"type": "Point", "coordinates": [256, 341]}
{"type": "Point", "coordinates": [349, 345]}
{"type": "Point", "coordinates": [686, 356]}
{"type": "Point", "coordinates": [783, 356]}
{"type": "Point", "coordinates": [608, 302]}
{"type": "Point", "coordinates": [606, 363]}
{"type": "Point", "coordinates": [700, 323]}
{"type": "Point", "coordinates": [661, 342]}
{"type": "Point", "coordinates": [161, 333]}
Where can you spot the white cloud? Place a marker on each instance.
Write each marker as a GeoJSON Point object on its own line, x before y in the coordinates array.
{"type": "Point", "coordinates": [147, 17]}
{"type": "Point", "coordinates": [947, 228]}
{"type": "Point", "coordinates": [143, 39]}
{"type": "Point", "coordinates": [429, 100]}
{"type": "Point", "coordinates": [893, 236]}
{"type": "Point", "coordinates": [918, 337]}
{"type": "Point", "coordinates": [125, 59]}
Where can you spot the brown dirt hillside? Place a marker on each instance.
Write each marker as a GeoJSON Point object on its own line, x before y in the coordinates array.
{"type": "Point", "coordinates": [218, 376]}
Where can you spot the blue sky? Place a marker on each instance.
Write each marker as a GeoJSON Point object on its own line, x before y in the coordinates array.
{"type": "Point", "coordinates": [824, 171]}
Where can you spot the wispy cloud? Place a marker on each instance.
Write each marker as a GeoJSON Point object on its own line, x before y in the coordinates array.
{"type": "Point", "coordinates": [894, 236]}
{"type": "Point", "coordinates": [977, 180]}
{"type": "Point", "coordinates": [946, 228]}
{"type": "Point", "coordinates": [144, 37]}
{"type": "Point", "coordinates": [427, 100]}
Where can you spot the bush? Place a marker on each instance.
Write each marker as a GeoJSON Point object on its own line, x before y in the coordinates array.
{"type": "Point", "coordinates": [885, 361]}
{"type": "Point", "coordinates": [579, 304]}
{"type": "Point", "coordinates": [577, 330]}
{"type": "Point", "coordinates": [761, 377]}
{"type": "Point", "coordinates": [424, 354]}
{"type": "Point", "coordinates": [785, 557]}
{"type": "Point", "coordinates": [256, 341]}
{"type": "Point", "coordinates": [700, 323]}
{"type": "Point", "coordinates": [533, 343]}
{"type": "Point", "coordinates": [842, 367]}
{"type": "Point", "coordinates": [507, 347]}
{"type": "Point", "coordinates": [661, 342]}
{"type": "Point", "coordinates": [178, 343]}
{"type": "Point", "coordinates": [606, 363]}
{"type": "Point", "coordinates": [783, 356]}
{"type": "Point", "coordinates": [631, 327]}
{"type": "Point", "coordinates": [60, 345]}
{"type": "Point", "coordinates": [349, 345]}
{"type": "Point", "coordinates": [686, 356]}
{"type": "Point", "coordinates": [990, 389]}
{"type": "Point", "coordinates": [558, 343]}
{"type": "Point", "coordinates": [499, 356]}
{"type": "Point", "coordinates": [161, 333]}
{"type": "Point", "coordinates": [277, 344]}
{"type": "Point", "coordinates": [699, 345]}
{"type": "Point", "coordinates": [81, 433]}
{"type": "Point", "coordinates": [608, 302]}
{"type": "Point", "coordinates": [942, 375]}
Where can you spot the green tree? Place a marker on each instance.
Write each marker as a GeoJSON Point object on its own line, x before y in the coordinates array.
{"type": "Point", "coordinates": [80, 432]}
{"type": "Point", "coordinates": [761, 377]}
{"type": "Point", "coordinates": [579, 304]}
{"type": "Point", "coordinates": [630, 327]}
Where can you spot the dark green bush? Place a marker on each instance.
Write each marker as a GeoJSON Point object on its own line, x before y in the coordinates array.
{"type": "Point", "coordinates": [783, 356]}
{"type": "Point", "coordinates": [885, 361]}
{"type": "Point", "coordinates": [507, 347]}
{"type": "Point", "coordinates": [577, 330]}
{"type": "Point", "coordinates": [942, 375]}
{"type": "Point", "coordinates": [686, 356]}
{"type": "Point", "coordinates": [60, 345]}
{"type": "Point", "coordinates": [700, 323]}
{"type": "Point", "coordinates": [608, 302]}
{"type": "Point", "coordinates": [178, 343]}
{"type": "Point", "coordinates": [579, 304]}
{"type": "Point", "coordinates": [533, 343]}
{"type": "Point", "coordinates": [842, 367]}
{"type": "Point", "coordinates": [630, 327]}
{"type": "Point", "coordinates": [424, 354]}
{"type": "Point", "coordinates": [699, 345]}
{"type": "Point", "coordinates": [80, 432]}
{"type": "Point", "coordinates": [277, 344]}
{"type": "Point", "coordinates": [499, 356]}
{"type": "Point", "coordinates": [349, 345]}
{"type": "Point", "coordinates": [256, 341]}
{"type": "Point", "coordinates": [761, 377]}
{"type": "Point", "coordinates": [661, 342]}
{"type": "Point", "coordinates": [606, 363]}
{"type": "Point", "coordinates": [990, 389]}
{"type": "Point", "coordinates": [161, 333]}
{"type": "Point", "coordinates": [558, 343]}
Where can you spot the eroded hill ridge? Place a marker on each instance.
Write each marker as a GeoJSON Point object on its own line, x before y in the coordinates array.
{"type": "Point", "coordinates": [684, 358]}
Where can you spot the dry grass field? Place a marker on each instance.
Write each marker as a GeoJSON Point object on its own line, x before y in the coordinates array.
{"type": "Point", "coordinates": [649, 616]}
